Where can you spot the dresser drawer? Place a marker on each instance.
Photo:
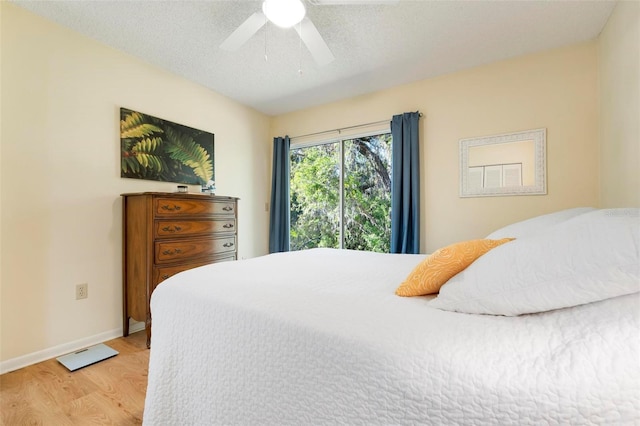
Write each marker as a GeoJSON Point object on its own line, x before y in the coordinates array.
{"type": "Point", "coordinates": [162, 273]}
{"type": "Point", "coordinates": [189, 207]}
{"type": "Point", "coordinates": [176, 250]}
{"type": "Point", "coordinates": [174, 228]}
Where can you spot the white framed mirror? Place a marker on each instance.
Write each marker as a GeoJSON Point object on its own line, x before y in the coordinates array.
{"type": "Point", "coordinates": [508, 164]}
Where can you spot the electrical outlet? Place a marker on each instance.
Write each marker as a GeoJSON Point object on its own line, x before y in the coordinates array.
{"type": "Point", "coordinates": [82, 291]}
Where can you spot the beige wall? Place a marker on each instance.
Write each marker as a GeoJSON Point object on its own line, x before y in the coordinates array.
{"type": "Point", "coordinates": [60, 173]}
{"type": "Point", "coordinates": [619, 78]}
{"type": "Point", "coordinates": [555, 89]}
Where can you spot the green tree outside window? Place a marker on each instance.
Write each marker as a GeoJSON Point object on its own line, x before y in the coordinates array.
{"type": "Point", "coordinates": [365, 217]}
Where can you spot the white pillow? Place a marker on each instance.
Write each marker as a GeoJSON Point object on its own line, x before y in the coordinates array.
{"type": "Point", "coordinates": [537, 224]}
{"type": "Point", "coordinates": [592, 257]}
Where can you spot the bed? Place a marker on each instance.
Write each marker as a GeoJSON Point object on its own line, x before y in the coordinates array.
{"type": "Point", "coordinates": [318, 337]}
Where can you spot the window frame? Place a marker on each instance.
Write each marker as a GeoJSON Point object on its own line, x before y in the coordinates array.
{"type": "Point", "coordinates": [340, 139]}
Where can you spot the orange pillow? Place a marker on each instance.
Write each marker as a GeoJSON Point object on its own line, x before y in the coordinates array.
{"type": "Point", "coordinates": [443, 264]}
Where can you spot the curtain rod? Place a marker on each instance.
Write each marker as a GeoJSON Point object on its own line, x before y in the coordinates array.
{"type": "Point", "coordinates": [344, 128]}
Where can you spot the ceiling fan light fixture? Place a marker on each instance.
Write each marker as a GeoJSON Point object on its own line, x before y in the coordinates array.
{"type": "Point", "coordinates": [284, 13]}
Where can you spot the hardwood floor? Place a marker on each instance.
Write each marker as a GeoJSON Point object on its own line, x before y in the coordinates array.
{"type": "Point", "coordinates": [110, 392]}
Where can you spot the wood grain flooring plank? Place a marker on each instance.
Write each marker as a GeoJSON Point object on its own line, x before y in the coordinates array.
{"type": "Point", "coordinates": [110, 392]}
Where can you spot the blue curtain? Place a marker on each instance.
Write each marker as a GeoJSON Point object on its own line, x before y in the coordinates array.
{"type": "Point", "coordinates": [405, 184]}
{"type": "Point", "coordinates": [279, 212]}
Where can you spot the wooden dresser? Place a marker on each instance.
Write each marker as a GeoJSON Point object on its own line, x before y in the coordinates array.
{"type": "Point", "coordinates": [164, 233]}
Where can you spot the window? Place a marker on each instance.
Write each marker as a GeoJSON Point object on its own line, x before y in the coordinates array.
{"type": "Point", "coordinates": [341, 194]}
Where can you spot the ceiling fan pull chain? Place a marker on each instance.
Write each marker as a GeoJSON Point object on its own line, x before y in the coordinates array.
{"type": "Point", "coordinates": [266, 30]}
{"type": "Point", "coordinates": [300, 49]}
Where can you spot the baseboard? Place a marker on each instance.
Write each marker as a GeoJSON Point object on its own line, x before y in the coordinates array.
{"type": "Point", "coordinates": [65, 348]}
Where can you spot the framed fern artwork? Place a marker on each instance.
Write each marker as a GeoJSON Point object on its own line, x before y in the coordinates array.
{"type": "Point", "coordinates": [156, 149]}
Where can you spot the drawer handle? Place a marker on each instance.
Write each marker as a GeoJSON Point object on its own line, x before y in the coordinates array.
{"type": "Point", "coordinates": [169, 208]}
{"type": "Point", "coordinates": [174, 229]}
{"type": "Point", "coordinates": [171, 252]}
{"type": "Point", "coordinates": [165, 276]}
{"type": "Point", "coordinates": [227, 225]}
{"type": "Point", "coordinates": [227, 208]}
{"type": "Point", "coordinates": [227, 245]}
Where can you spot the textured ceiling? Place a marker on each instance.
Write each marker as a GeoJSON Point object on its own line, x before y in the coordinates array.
{"type": "Point", "coordinates": [375, 45]}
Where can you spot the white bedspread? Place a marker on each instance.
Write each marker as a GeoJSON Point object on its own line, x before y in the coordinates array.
{"type": "Point", "coordinates": [318, 337]}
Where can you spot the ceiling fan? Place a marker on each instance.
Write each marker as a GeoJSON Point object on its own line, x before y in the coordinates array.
{"type": "Point", "coordinates": [287, 14]}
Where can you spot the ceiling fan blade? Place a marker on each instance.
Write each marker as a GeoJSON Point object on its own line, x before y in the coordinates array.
{"type": "Point", "coordinates": [244, 32]}
{"type": "Point", "coordinates": [314, 42]}
{"type": "Point", "coordinates": [352, 2]}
